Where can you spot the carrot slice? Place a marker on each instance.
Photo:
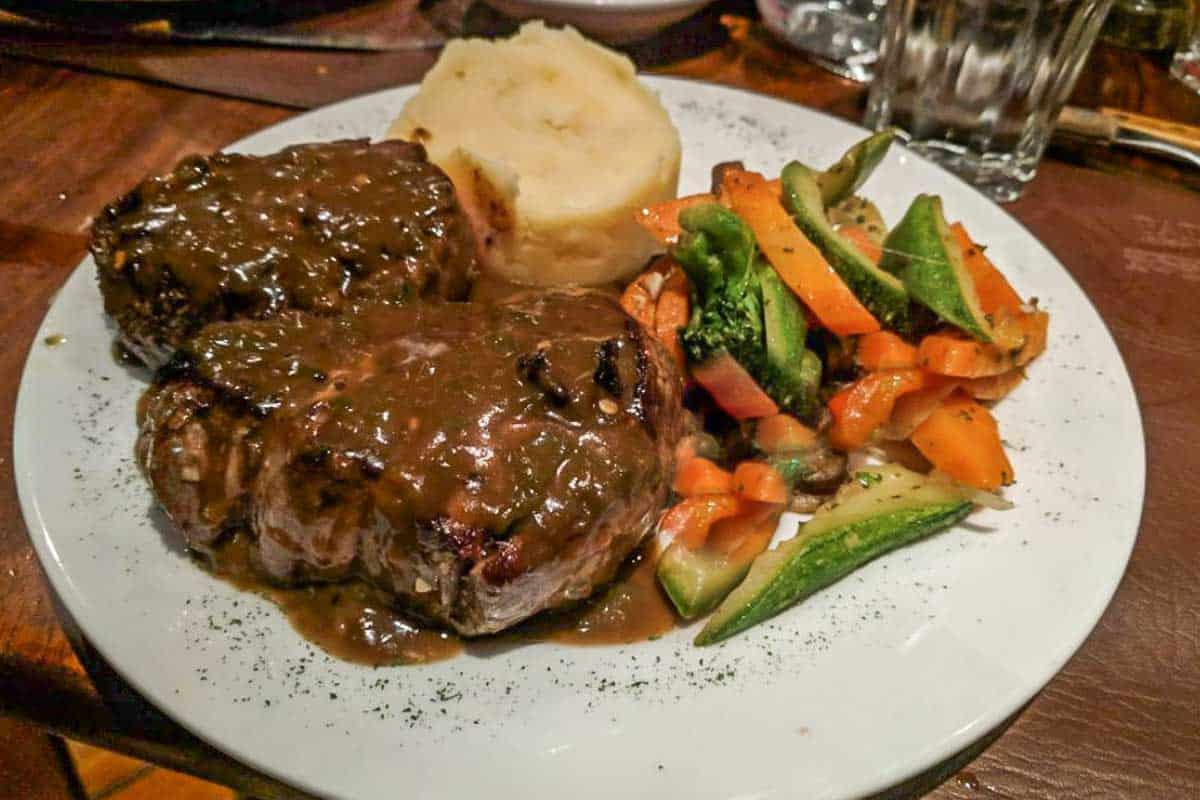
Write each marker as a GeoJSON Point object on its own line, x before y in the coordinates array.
{"type": "Point", "coordinates": [796, 259]}
{"type": "Point", "coordinates": [638, 303]}
{"type": "Point", "coordinates": [699, 476]}
{"type": "Point", "coordinates": [690, 520]}
{"type": "Point", "coordinates": [993, 288]}
{"type": "Point", "coordinates": [915, 407]}
{"type": "Point", "coordinates": [783, 433]}
{"type": "Point", "coordinates": [733, 388]}
{"type": "Point", "coordinates": [859, 237]}
{"type": "Point", "coordinates": [685, 450]}
{"type": "Point", "coordinates": [884, 350]}
{"type": "Point", "coordinates": [640, 298]}
{"type": "Point", "coordinates": [867, 403]}
{"type": "Point", "coordinates": [961, 439]}
{"type": "Point", "coordinates": [759, 482]}
{"type": "Point", "coordinates": [962, 357]}
{"type": "Point", "coordinates": [697, 443]}
{"type": "Point", "coordinates": [995, 386]}
{"type": "Point", "coordinates": [1034, 329]}
{"type": "Point", "coordinates": [747, 534]}
{"type": "Point", "coordinates": [671, 314]}
{"type": "Point", "coordinates": [662, 220]}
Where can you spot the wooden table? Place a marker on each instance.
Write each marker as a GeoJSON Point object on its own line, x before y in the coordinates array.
{"type": "Point", "coordinates": [1121, 720]}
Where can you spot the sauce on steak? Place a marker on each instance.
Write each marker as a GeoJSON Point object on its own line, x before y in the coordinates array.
{"type": "Point", "coordinates": [361, 623]}
{"type": "Point", "coordinates": [317, 227]}
{"type": "Point", "coordinates": [479, 463]}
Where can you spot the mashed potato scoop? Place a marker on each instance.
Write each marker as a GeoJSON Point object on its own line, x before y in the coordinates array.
{"type": "Point", "coordinates": [553, 146]}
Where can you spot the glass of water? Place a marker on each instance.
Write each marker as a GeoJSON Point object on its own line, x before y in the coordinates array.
{"type": "Point", "coordinates": [1186, 64]}
{"type": "Point", "coordinates": [840, 35]}
{"type": "Point", "coordinates": [977, 85]}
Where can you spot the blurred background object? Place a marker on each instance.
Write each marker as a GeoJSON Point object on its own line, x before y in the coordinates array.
{"type": "Point", "coordinates": [308, 53]}
{"type": "Point", "coordinates": [840, 35]}
{"type": "Point", "coordinates": [1157, 26]}
{"type": "Point", "coordinates": [612, 21]}
{"type": "Point", "coordinates": [1186, 63]}
{"type": "Point", "coordinates": [977, 85]}
{"type": "Point", "coordinates": [1109, 126]}
{"type": "Point", "coordinates": [269, 23]}
{"type": "Point", "coordinates": [285, 22]}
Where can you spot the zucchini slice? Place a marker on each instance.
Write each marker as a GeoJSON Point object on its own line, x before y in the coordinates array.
{"type": "Point", "coordinates": [883, 508]}
{"type": "Point", "coordinates": [697, 580]}
{"type": "Point", "coordinates": [851, 171]}
{"type": "Point", "coordinates": [881, 292]}
{"type": "Point", "coordinates": [795, 371]}
{"type": "Point", "coordinates": [924, 253]}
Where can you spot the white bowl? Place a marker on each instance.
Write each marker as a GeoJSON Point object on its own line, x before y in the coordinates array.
{"type": "Point", "coordinates": [612, 21]}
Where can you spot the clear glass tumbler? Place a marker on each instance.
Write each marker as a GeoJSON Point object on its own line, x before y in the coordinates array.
{"type": "Point", "coordinates": [840, 35]}
{"type": "Point", "coordinates": [1186, 64]}
{"type": "Point", "coordinates": [977, 85]}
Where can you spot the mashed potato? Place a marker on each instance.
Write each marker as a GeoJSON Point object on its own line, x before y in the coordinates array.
{"type": "Point", "coordinates": [553, 145]}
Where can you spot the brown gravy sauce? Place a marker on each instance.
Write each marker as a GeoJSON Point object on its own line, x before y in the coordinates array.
{"type": "Point", "coordinates": [631, 609]}
{"type": "Point", "coordinates": [489, 288]}
{"type": "Point", "coordinates": [357, 622]}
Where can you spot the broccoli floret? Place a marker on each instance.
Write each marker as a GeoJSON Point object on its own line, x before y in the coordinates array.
{"type": "Point", "coordinates": [718, 252]}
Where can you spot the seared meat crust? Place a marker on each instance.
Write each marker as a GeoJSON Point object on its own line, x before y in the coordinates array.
{"type": "Point", "coordinates": [317, 227]}
{"type": "Point", "coordinates": [481, 463]}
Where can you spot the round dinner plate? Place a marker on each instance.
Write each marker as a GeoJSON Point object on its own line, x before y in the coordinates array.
{"type": "Point", "coordinates": [898, 666]}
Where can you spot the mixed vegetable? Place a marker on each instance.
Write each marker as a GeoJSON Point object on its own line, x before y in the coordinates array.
{"type": "Point", "coordinates": [814, 337]}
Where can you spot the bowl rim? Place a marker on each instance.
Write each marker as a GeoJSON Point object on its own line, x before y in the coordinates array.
{"type": "Point", "coordinates": [607, 6]}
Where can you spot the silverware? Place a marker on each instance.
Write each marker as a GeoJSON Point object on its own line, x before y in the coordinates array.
{"type": "Point", "coordinates": [273, 37]}
{"type": "Point", "coordinates": [237, 33]}
{"type": "Point", "coordinates": [1137, 131]}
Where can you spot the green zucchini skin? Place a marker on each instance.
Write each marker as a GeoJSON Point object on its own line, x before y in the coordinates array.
{"type": "Point", "coordinates": [829, 558]}
{"type": "Point", "coordinates": [786, 327]}
{"type": "Point", "coordinates": [876, 513]}
{"type": "Point", "coordinates": [810, 375]}
{"type": "Point", "coordinates": [861, 213]}
{"type": "Point", "coordinates": [791, 364]}
{"type": "Point", "coordinates": [882, 293]}
{"type": "Point", "coordinates": [696, 580]}
{"type": "Point", "coordinates": [851, 171]}
{"type": "Point", "coordinates": [923, 252]}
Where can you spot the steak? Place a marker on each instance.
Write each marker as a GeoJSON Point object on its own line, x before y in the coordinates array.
{"type": "Point", "coordinates": [481, 463]}
{"type": "Point", "coordinates": [316, 227]}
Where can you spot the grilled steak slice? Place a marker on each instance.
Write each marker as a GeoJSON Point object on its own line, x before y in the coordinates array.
{"type": "Point", "coordinates": [480, 462]}
{"type": "Point", "coordinates": [317, 227]}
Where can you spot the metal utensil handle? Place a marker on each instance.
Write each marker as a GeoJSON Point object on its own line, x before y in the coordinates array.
{"type": "Point", "coordinates": [1089, 124]}
{"type": "Point", "coordinates": [1177, 133]}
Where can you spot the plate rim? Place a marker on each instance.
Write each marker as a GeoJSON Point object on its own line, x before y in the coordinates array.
{"type": "Point", "coordinates": [71, 599]}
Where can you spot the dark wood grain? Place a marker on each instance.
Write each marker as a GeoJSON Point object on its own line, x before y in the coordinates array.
{"type": "Point", "coordinates": [72, 141]}
{"type": "Point", "coordinates": [1121, 720]}
{"type": "Point", "coordinates": [35, 765]}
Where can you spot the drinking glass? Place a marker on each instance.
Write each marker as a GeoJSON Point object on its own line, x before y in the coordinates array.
{"type": "Point", "coordinates": [977, 85]}
{"type": "Point", "coordinates": [1152, 26]}
{"type": "Point", "coordinates": [1186, 63]}
{"type": "Point", "coordinates": [840, 35]}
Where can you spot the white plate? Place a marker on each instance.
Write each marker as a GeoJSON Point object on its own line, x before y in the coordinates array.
{"type": "Point", "coordinates": [614, 21]}
{"type": "Point", "coordinates": [893, 669]}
